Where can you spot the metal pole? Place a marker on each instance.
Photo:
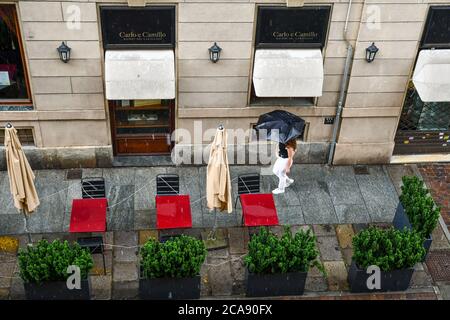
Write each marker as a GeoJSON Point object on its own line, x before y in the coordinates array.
{"type": "Point", "coordinates": [26, 226]}
{"type": "Point", "coordinates": [340, 106]}
{"type": "Point", "coordinates": [212, 234]}
{"type": "Point", "coordinates": [343, 88]}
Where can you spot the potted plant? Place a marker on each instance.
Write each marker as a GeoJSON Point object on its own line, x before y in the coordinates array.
{"type": "Point", "coordinates": [417, 210]}
{"type": "Point", "coordinates": [394, 252]}
{"type": "Point", "coordinates": [171, 269]}
{"type": "Point", "coordinates": [44, 270]}
{"type": "Point", "coordinates": [279, 266]}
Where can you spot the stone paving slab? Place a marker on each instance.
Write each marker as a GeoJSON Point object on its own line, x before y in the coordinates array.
{"type": "Point", "coordinates": [337, 275]}
{"type": "Point", "coordinates": [101, 287]}
{"type": "Point", "coordinates": [238, 240]}
{"type": "Point", "coordinates": [345, 235]}
{"type": "Point", "coordinates": [379, 194]}
{"type": "Point", "coordinates": [329, 248]}
{"type": "Point", "coordinates": [316, 202]}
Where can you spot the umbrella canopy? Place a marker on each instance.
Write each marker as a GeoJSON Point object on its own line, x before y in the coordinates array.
{"type": "Point", "coordinates": [21, 177]}
{"type": "Point", "coordinates": [218, 182]}
{"type": "Point", "coordinates": [281, 125]}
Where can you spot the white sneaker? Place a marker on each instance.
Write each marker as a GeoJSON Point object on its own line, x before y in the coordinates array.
{"type": "Point", "coordinates": [289, 182]}
{"type": "Point", "coordinates": [277, 191]}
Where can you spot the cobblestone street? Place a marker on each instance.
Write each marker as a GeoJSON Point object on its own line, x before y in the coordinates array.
{"type": "Point", "coordinates": [437, 178]}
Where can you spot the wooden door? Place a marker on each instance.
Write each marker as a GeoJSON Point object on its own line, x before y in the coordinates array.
{"type": "Point", "coordinates": [142, 127]}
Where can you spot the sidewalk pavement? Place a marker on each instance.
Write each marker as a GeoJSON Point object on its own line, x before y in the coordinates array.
{"type": "Point", "coordinates": [319, 195]}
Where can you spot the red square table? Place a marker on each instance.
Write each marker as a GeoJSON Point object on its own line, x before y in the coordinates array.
{"type": "Point", "coordinates": [88, 215]}
{"type": "Point", "coordinates": [258, 209]}
{"type": "Point", "coordinates": [173, 211]}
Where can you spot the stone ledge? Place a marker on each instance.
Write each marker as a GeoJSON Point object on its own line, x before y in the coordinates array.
{"type": "Point", "coordinates": [65, 158]}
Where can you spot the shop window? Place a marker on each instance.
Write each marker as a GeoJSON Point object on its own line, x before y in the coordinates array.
{"type": "Point", "coordinates": [288, 63]}
{"type": "Point", "coordinates": [25, 136]}
{"type": "Point", "coordinates": [13, 77]}
{"type": "Point", "coordinates": [423, 116]}
{"type": "Point", "coordinates": [424, 125]}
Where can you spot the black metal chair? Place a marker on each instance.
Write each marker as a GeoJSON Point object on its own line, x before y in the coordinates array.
{"type": "Point", "coordinates": [248, 183]}
{"type": "Point", "coordinates": [94, 245]}
{"type": "Point", "coordinates": [93, 187]}
{"type": "Point", "coordinates": [167, 184]}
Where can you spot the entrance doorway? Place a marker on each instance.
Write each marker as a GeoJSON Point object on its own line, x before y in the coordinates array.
{"type": "Point", "coordinates": [142, 127]}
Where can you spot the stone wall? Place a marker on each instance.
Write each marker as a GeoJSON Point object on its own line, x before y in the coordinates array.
{"type": "Point", "coordinates": [70, 110]}
{"type": "Point", "coordinates": [376, 90]}
{"type": "Point", "coordinates": [69, 106]}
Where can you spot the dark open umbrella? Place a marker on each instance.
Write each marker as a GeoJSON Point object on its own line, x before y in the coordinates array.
{"type": "Point", "coordinates": [281, 126]}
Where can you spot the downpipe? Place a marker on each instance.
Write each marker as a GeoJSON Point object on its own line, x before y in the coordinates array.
{"type": "Point", "coordinates": [342, 90]}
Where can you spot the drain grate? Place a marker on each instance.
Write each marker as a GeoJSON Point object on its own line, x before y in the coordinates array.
{"type": "Point", "coordinates": [74, 174]}
{"type": "Point", "coordinates": [360, 169]}
{"type": "Point", "coordinates": [438, 263]}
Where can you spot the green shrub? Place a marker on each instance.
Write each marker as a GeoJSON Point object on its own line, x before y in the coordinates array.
{"type": "Point", "coordinates": [179, 257]}
{"type": "Point", "coordinates": [419, 206]}
{"type": "Point", "coordinates": [291, 253]}
{"type": "Point", "coordinates": [46, 261]}
{"type": "Point", "coordinates": [389, 249]}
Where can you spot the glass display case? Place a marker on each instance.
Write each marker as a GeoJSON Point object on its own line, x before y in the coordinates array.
{"type": "Point", "coordinates": [142, 126]}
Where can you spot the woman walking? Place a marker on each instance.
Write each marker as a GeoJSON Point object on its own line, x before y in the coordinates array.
{"type": "Point", "coordinates": [283, 164]}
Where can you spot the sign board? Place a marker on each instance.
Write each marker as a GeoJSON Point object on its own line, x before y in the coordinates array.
{"type": "Point", "coordinates": [282, 27]}
{"type": "Point", "coordinates": [437, 28]}
{"type": "Point", "coordinates": [138, 28]}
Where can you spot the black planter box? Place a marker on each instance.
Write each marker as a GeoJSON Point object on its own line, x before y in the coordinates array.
{"type": "Point", "coordinates": [56, 290]}
{"type": "Point", "coordinates": [401, 221]}
{"type": "Point", "coordinates": [169, 288]}
{"type": "Point", "coordinates": [397, 280]}
{"type": "Point", "coordinates": [279, 284]}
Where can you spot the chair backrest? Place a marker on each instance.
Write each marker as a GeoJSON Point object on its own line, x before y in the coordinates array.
{"type": "Point", "coordinates": [167, 184]}
{"type": "Point", "coordinates": [93, 187]}
{"type": "Point", "coordinates": [249, 183]}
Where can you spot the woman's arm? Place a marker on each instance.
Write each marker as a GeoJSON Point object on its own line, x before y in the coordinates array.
{"type": "Point", "coordinates": [290, 159]}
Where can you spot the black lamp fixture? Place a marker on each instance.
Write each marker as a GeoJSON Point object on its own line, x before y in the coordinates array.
{"type": "Point", "coordinates": [64, 52]}
{"type": "Point", "coordinates": [371, 52]}
{"type": "Point", "coordinates": [214, 53]}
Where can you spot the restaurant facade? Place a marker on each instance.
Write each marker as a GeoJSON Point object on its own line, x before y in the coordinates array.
{"type": "Point", "coordinates": [371, 78]}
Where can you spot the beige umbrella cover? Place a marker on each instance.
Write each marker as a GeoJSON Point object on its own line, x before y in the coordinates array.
{"type": "Point", "coordinates": [21, 177]}
{"type": "Point", "coordinates": [218, 182]}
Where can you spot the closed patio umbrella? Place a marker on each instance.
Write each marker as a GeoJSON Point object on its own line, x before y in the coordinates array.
{"type": "Point", "coordinates": [218, 182]}
{"type": "Point", "coordinates": [21, 177]}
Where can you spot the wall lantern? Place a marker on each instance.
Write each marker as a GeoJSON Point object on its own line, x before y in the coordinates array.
{"type": "Point", "coordinates": [64, 52]}
{"type": "Point", "coordinates": [214, 53]}
{"type": "Point", "coordinates": [371, 52]}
